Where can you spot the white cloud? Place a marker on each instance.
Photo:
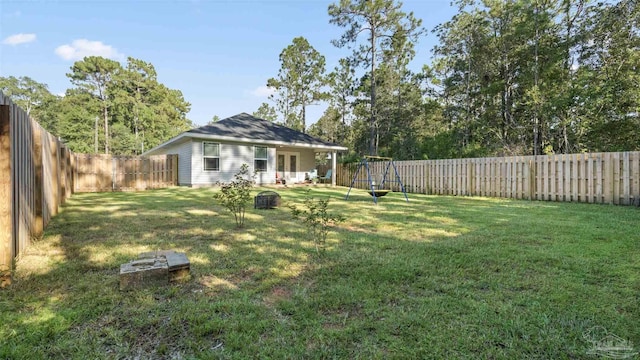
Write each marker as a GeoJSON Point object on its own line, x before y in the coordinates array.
{"type": "Point", "coordinates": [262, 91]}
{"type": "Point", "coordinates": [18, 39]}
{"type": "Point", "coordinates": [80, 48]}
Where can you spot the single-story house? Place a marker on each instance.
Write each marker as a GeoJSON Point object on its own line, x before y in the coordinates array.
{"type": "Point", "coordinates": [216, 152]}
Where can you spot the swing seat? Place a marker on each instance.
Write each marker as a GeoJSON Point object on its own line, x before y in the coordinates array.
{"type": "Point", "coordinates": [378, 193]}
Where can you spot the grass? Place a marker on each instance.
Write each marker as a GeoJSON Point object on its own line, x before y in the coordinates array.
{"type": "Point", "coordinates": [438, 277]}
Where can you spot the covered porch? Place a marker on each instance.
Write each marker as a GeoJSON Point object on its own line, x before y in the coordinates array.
{"type": "Point", "coordinates": [296, 165]}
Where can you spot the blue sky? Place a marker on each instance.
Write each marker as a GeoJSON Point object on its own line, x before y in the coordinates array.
{"type": "Point", "coordinates": [218, 53]}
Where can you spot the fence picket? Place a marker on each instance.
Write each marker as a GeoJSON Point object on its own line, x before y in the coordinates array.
{"type": "Point", "coordinates": [581, 178]}
{"type": "Point", "coordinates": [635, 178]}
{"type": "Point", "coordinates": [6, 253]}
{"type": "Point", "coordinates": [566, 180]}
{"type": "Point", "coordinates": [625, 191]}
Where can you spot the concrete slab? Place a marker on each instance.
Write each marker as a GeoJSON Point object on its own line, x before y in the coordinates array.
{"type": "Point", "coordinates": [142, 273]}
{"type": "Point", "coordinates": [177, 262]}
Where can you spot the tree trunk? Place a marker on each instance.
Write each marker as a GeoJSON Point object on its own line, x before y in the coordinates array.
{"type": "Point", "coordinates": [136, 118]}
{"type": "Point", "coordinates": [135, 129]}
{"type": "Point", "coordinates": [95, 138]}
{"type": "Point", "coordinates": [565, 139]}
{"type": "Point", "coordinates": [373, 149]}
{"type": "Point", "coordinates": [536, 119]}
{"type": "Point", "coordinates": [344, 109]}
{"type": "Point", "coordinates": [304, 117]}
{"type": "Point", "coordinates": [105, 112]}
{"type": "Point", "coordinates": [465, 139]}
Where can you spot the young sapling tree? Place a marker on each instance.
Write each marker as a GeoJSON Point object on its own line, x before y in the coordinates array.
{"type": "Point", "coordinates": [317, 218]}
{"type": "Point", "coordinates": [236, 194]}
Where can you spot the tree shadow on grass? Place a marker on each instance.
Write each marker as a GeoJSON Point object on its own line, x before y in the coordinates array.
{"type": "Point", "coordinates": [398, 279]}
{"type": "Point", "coordinates": [73, 293]}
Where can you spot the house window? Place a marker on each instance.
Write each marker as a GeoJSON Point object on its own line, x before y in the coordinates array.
{"type": "Point", "coordinates": [260, 158]}
{"type": "Point", "coordinates": [211, 156]}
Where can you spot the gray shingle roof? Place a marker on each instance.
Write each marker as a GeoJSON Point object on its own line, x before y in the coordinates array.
{"type": "Point", "coordinates": [245, 126]}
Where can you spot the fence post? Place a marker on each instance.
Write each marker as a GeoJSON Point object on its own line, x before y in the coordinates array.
{"type": "Point", "coordinates": [73, 158]}
{"type": "Point", "coordinates": [531, 179]}
{"type": "Point", "coordinates": [146, 167]}
{"type": "Point", "coordinates": [608, 178]}
{"type": "Point", "coordinates": [6, 238]}
{"type": "Point", "coordinates": [62, 172]}
{"type": "Point", "coordinates": [38, 183]}
{"type": "Point", "coordinates": [174, 168]}
{"type": "Point", "coordinates": [55, 174]}
{"type": "Point", "coordinates": [113, 173]}
{"type": "Point", "coordinates": [625, 192]}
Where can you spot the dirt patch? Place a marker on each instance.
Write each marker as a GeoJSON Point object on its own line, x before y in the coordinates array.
{"type": "Point", "coordinates": [276, 295]}
{"type": "Point", "coordinates": [5, 279]}
{"type": "Point", "coordinates": [338, 321]}
{"type": "Point", "coordinates": [216, 283]}
{"type": "Point", "coordinates": [332, 326]}
{"type": "Point", "coordinates": [359, 229]}
{"type": "Point", "coordinates": [246, 275]}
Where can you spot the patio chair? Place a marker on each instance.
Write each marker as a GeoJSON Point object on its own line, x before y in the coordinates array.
{"type": "Point", "coordinates": [313, 174]}
{"type": "Point", "coordinates": [326, 177]}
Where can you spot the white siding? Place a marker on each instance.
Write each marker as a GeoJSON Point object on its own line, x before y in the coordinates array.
{"type": "Point", "coordinates": [184, 160]}
{"type": "Point", "coordinates": [307, 160]}
{"type": "Point", "coordinates": [232, 156]}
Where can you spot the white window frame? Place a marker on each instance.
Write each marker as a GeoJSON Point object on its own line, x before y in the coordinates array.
{"type": "Point", "coordinates": [266, 158]}
{"type": "Point", "coordinates": [204, 162]}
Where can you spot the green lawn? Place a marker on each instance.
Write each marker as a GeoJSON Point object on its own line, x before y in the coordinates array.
{"type": "Point", "coordinates": [438, 277]}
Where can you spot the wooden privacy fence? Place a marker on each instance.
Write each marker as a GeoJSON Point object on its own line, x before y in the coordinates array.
{"type": "Point", "coordinates": [38, 173]}
{"type": "Point", "coordinates": [605, 178]}
{"type": "Point", "coordinates": [35, 178]}
{"type": "Point", "coordinates": [97, 173]}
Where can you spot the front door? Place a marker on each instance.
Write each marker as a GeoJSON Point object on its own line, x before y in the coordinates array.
{"type": "Point", "coordinates": [288, 164]}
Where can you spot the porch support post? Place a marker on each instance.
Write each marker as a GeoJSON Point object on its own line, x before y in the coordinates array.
{"type": "Point", "coordinates": [334, 167]}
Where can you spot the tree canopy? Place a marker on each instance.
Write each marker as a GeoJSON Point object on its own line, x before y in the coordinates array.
{"type": "Point", "coordinates": [507, 77]}
{"type": "Point", "coordinates": [110, 108]}
{"type": "Point", "coordinates": [299, 82]}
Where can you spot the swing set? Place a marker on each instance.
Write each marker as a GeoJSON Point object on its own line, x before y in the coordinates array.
{"type": "Point", "coordinates": [377, 180]}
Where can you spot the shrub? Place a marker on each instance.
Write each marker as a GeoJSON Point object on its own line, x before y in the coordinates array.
{"type": "Point", "coordinates": [317, 219]}
{"type": "Point", "coordinates": [236, 194]}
